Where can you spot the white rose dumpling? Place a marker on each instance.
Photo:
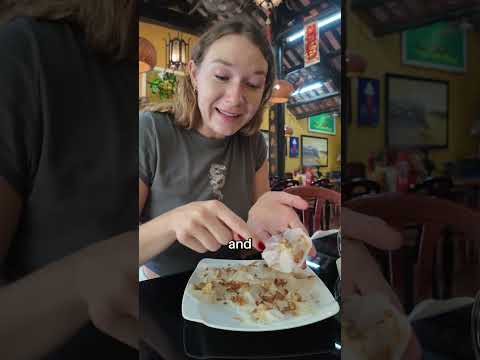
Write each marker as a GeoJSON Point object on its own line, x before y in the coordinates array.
{"type": "Point", "coordinates": [288, 251]}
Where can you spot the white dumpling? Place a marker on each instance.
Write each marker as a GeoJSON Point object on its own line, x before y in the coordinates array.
{"type": "Point", "coordinates": [288, 251]}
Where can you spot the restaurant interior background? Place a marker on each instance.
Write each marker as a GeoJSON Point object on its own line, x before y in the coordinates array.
{"type": "Point", "coordinates": [416, 49]}
{"type": "Point", "coordinates": [309, 129]}
{"type": "Point", "coordinates": [409, 124]}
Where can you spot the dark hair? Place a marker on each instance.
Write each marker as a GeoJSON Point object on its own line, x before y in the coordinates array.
{"type": "Point", "coordinates": [187, 113]}
{"type": "Point", "coordinates": [110, 26]}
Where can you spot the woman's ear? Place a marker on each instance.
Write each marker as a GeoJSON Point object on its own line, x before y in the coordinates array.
{"type": "Point", "coordinates": [192, 72]}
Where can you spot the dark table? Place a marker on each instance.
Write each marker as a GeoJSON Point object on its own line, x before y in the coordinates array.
{"type": "Point", "coordinates": [166, 335]}
{"type": "Point", "coordinates": [447, 335]}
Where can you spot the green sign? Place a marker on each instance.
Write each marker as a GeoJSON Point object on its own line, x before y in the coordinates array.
{"type": "Point", "coordinates": [322, 123]}
{"type": "Point", "coordinates": [441, 45]}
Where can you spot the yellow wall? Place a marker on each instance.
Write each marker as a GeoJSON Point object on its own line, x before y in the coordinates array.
{"type": "Point", "coordinates": [300, 127]}
{"type": "Point", "coordinates": [383, 55]}
{"type": "Point", "coordinates": [158, 34]}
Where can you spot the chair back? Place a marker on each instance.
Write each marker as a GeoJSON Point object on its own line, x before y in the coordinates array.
{"type": "Point", "coordinates": [323, 182]}
{"type": "Point", "coordinates": [323, 212]}
{"type": "Point", "coordinates": [439, 186]}
{"type": "Point", "coordinates": [359, 187]}
{"type": "Point", "coordinates": [446, 242]}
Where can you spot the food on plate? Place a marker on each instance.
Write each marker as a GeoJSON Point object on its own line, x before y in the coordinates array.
{"type": "Point", "coordinates": [288, 251]}
{"type": "Point", "coordinates": [372, 328]}
{"type": "Point", "coordinates": [258, 292]}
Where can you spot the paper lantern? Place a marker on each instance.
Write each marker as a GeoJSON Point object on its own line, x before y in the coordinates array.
{"type": "Point", "coordinates": [147, 55]}
{"type": "Point", "coordinates": [281, 92]}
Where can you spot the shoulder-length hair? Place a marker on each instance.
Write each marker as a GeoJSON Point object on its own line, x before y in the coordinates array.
{"type": "Point", "coordinates": [110, 26]}
{"type": "Point", "coordinates": [185, 107]}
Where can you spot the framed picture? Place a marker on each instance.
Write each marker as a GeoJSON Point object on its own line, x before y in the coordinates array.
{"type": "Point", "coordinates": [314, 151]}
{"type": "Point", "coordinates": [266, 137]}
{"type": "Point", "coordinates": [416, 112]}
{"type": "Point", "coordinates": [294, 146]}
{"type": "Point", "coordinates": [368, 102]}
{"type": "Point", "coordinates": [442, 45]}
{"type": "Point", "coordinates": [322, 123]}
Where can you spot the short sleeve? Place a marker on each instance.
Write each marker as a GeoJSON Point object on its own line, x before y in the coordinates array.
{"type": "Point", "coordinates": [147, 152]}
{"type": "Point", "coordinates": [260, 150]}
{"type": "Point", "coordinates": [20, 129]}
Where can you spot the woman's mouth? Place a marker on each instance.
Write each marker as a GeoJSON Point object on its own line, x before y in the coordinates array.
{"type": "Point", "coordinates": [227, 114]}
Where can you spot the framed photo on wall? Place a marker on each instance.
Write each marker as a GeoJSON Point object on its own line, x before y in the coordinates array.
{"type": "Point", "coordinates": [294, 146]}
{"type": "Point", "coordinates": [441, 45]}
{"type": "Point", "coordinates": [368, 102]}
{"type": "Point", "coordinates": [314, 151]}
{"type": "Point", "coordinates": [322, 123]}
{"type": "Point", "coordinates": [416, 112]}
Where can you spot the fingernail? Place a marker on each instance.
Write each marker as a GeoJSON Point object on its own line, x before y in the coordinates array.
{"type": "Point", "coordinates": [261, 246]}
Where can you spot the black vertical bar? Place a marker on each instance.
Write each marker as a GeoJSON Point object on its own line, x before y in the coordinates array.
{"type": "Point", "coordinates": [345, 91]}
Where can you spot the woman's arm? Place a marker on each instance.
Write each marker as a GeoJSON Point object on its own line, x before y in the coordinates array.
{"type": "Point", "coordinates": [52, 297]}
{"type": "Point", "coordinates": [143, 192]}
{"type": "Point", "coordinates": [261, 184]}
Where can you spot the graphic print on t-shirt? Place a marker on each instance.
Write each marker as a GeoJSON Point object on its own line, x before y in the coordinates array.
{"type": "Point", "coordinates": [217, 179]}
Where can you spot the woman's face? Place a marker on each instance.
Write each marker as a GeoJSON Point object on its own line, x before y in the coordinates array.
{"type": "Point", "coordinates": [230, 83]}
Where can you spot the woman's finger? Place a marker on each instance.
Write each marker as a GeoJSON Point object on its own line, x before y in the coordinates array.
{"type": "Point", "coordinates": [371, 230]}
{"type": "Point", "coordinates": [220, 232]}
{"type": "Point", "coordinates": [194, 244]}
{"type": "Point", "coordinates": [261, 240]}
{"type": "Point", "coordinates": [231, 220]}
{"type": "Point", "coordinates": [292, 200]}
{"type": "Point", "coordinates": [295, 223]}
{"type": "Point", "coordinates": [205, 238]}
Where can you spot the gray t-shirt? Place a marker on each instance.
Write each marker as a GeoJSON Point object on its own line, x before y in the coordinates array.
{"type": "Point", "coordinates": [181, 166]}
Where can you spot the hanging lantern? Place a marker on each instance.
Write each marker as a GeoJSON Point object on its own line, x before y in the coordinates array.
{"type": "Point", "coordinates": [177, 52]}
{"type": "Point", "coordinates": [281, 92]}
{"type": "Point", "coordinates": [147, 55]}
{"type": "Point", "coordinates": [268, 4]}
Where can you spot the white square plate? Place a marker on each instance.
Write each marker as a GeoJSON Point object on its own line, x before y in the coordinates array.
{"type": "Point", "coordinates": [221, 316]}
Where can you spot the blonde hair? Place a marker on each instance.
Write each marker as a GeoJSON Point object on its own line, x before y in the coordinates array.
{"type": "Point", "coordinates": [110, 26]}
{"type": "Point", "coordinates": [185, 106]}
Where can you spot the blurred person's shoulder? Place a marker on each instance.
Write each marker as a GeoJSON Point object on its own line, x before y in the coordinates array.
{"type": "Point", "coordinates": [159, 123]}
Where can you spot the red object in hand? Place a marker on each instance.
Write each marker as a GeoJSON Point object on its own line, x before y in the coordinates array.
{"type": "Point", "coordinates": [261, 246]}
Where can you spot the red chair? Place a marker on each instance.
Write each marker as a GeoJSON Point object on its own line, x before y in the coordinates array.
{"type": "Point", "coordinates": [440, 223]}
{"type": "Point", "coordinates": [324, 210]}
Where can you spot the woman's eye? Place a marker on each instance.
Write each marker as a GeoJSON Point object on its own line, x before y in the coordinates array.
{"type": "Point", "coordinates": [222, 78]}
{"type": "Point", "coordinates": [254, 86]}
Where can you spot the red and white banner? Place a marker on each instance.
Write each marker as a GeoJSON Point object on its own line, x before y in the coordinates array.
{"type": "Point", "coordinates": [311, 53]}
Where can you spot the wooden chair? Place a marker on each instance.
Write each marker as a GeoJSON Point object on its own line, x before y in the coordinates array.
{"type": "Point", "coordinates": [359, 187]}
{"type": "Point", "coordinates": [324, 210]}
{"type": "Point", "coordinates": [283, 184]}
{"type": "Point", "coordinates": [427, 263]}
{"type": "Point", "coordinates": [323, 182]}
{"type": "Point", "coordinates": [439, 186]}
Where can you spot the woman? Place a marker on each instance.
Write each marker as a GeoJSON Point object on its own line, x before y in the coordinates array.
{"type": "Point", "coordinates": [204, 166]}
{"type": "Point", "coordinates": [68, 74]}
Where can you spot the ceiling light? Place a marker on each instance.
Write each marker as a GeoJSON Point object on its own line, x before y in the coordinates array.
{"type": "Point", "coordinates": [311, 87]}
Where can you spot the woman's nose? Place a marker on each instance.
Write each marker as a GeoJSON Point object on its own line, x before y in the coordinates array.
{"type": "Point", "coordinates": [235, 94]}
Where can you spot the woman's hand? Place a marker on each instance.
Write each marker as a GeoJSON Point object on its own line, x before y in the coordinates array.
{"type": "Point", "coordinates": [206, 225]}
{"type": "Point", "coordinates": [274, 213]}
{"type": "Point", "coordinates": [355, 256]}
